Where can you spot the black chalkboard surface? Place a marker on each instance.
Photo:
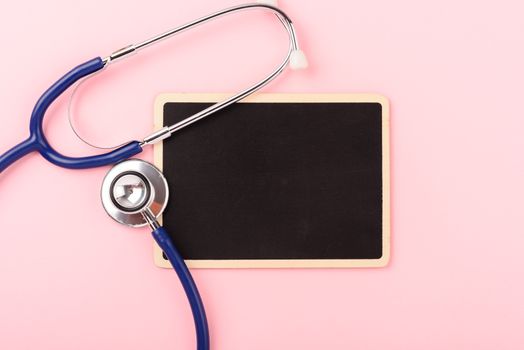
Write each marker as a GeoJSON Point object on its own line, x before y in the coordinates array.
{"type": "Point", "coordinates": [278, 181]}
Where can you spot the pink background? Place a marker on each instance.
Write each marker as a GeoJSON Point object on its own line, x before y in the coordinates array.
{"type": "Point", "coordinates": [453, 71]}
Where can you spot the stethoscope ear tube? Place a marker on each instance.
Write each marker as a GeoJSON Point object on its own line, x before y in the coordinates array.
{"type": "Point", "coordinates": [197, 307]}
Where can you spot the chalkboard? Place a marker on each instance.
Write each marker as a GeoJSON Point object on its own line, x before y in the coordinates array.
{"type": "Point", "coordinates": [278, 181]}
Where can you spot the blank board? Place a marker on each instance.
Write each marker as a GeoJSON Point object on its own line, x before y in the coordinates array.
{"type": "Point", "coordinates": [278, 180]}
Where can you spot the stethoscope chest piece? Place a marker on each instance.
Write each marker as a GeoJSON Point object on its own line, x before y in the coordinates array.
{"type": "Point", "coordinates": [133, 190]}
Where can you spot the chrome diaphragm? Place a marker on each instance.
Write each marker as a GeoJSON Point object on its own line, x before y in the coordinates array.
{"type": "Point", "coordinates": [134, 190]}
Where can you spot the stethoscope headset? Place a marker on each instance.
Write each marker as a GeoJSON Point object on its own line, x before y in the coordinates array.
{"type": "Point", "coordinates": [135, 192]}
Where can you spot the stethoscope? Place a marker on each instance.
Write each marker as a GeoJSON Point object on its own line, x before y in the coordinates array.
{"type": "Point", "coordinates": [135, 192]}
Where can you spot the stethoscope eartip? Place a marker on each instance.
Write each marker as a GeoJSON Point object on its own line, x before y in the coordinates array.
{"type": "Point", "coordinates": [298, 60]}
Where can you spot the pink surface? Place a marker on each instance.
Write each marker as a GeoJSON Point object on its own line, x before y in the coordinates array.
{"type": "Point", "coordinates": [453, 72]}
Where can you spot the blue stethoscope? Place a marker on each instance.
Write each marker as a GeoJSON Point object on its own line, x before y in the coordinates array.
{"type": "Point", "coordinates": [135, 192]}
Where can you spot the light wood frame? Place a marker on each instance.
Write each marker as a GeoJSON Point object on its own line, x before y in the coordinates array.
{"type": "Point", "coordinates": [283, 98]}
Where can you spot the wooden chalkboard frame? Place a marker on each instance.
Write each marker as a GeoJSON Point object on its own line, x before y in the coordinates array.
{"type": "Point", "coordinates": [162, 99]}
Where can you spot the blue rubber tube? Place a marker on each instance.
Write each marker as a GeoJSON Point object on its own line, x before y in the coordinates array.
{"type": "Point", "coordinates": [38, 142]}
{"type": "Point", "coordinates": [17, 152]}
{"type": "Point", "coordinates": [197, 307]}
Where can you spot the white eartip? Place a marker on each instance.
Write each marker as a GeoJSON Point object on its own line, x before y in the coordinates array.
{"type": "Point", "coordinates": [273, 3]}
{"type": "Point", "coordinates": [298, 60]}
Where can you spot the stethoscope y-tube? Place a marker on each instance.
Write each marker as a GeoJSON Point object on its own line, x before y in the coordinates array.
{"type": "Point", "coordinates": [37, 141]}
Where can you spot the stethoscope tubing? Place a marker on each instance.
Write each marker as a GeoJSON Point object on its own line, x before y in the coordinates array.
{"type": "Point", "coordinates": [195, 301]}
